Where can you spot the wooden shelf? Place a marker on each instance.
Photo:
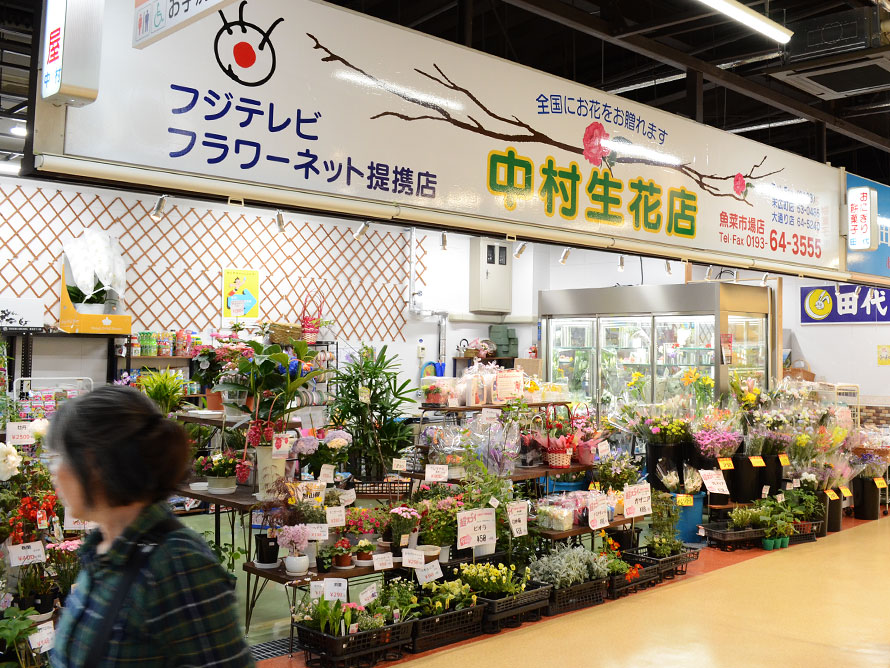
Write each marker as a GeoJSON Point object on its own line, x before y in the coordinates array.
{"type": "Point", "coordinates": [156, 357]}
{"type": "Point", "coordinates": [475, 409]}
{"type": "Point", "coordinates": [519, 474]}
{"type": "Point", "coordinates": [551, 534]}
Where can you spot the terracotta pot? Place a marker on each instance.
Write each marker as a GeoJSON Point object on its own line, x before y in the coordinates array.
{"type": "Point", "coordinates": [214, 401]}
{"type": "Point", "coordinates": [363, 556]}
{"type": "Point", "coordinates": [343, 560]}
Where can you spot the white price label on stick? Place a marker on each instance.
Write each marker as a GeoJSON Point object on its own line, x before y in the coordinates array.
{"type": "Point", "coordinates": [476, 527]}
{"type": "Point", "coordinates": [489, 415]}
{"type": "Point", "coordinates": [412, 559]}
{"type": "Point", "coordinates": [335, 589]}
{"type": "Point", "coordinates": [399, 464]}
{"type": "Point", "coordinates": [326, 474]}
{"type": "Point", "coordinates": [336, 516]}
{"type": "Point", "coordinates": [382, 561]}
{"type": "Point", "coordinates": [637, 500]}
{"type": "Point", "coordinates": [714, 481]}
{"type": "Point", "coordinates": [764, 492]}
{"type": "Point", "coordinates": [43, 638]}
{"type": "Point", "coordinates": [598, 512]}
{"type": "Point", "coordinates": [19, 433]}
{"type": "Point", "coordinates": [603, 449]}
{"type": "Point", "coordinates": [27, 553]}
{"type": "Point", "coordinates": [316, 589]}
{"type": "Point", "coordinates": [317, 531]}
{"type": "Point", "coordinates": [369, 595]}
{"type": "Point", "coordinates": [429, 572]}
{"type": "Point", "coordinates": [347, 497]}
{"type": "Point", "coordinates": [281, 445]}
{"type": "Point", "coordinates": [436, 473]}
{"type": "Point", "coordinates": [517, 512]}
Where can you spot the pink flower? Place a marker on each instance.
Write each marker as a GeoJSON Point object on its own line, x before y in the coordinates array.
{"type": "Point", "coordinates": [656, 430]}
{"type": "Point", "coordinates": [594, 150]}
{"type": "Point", "coordinates": [738, 184]}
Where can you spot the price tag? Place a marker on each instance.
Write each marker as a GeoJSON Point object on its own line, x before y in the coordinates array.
{"type": "Point", "coordinates": [43, 638]}
{"type": "Point", "coordinates": [347, 496]}
{"type": "Point", "coordinates": [57, 530]}
{"type": "Point", "coordinates": [436, 473]}
{"type": "Point", "coordinates": [399, 464]}
{"type": "Point", "coordinates": [757, 461]}
{"type": "Point", "coordinates": [335, 589]}
{"type": "Point", "coordinates": [880, 483]}
{"type": "Point", "coordinates": [701, 530]}
{"type": "Point", "coordinates": [353, 628]}
{"type": "Point", "coordinates": [42, 522]}
{"type": "Point", "coordinates": [780, 498]}
{"type": "Point", "coordinates": [831, 494]}
{"type": "Point", "coordinates": [369, 595]}
{"type": "Point", "coordinates": [317, 531]}
{"type": "Point", "coordinates": [489, 415]}
{"type": "Point", "coordinates": [236, 307]}
{"type": "Point", "coordinates": [598, 512]}
{"type": "Point", "coordinates": [429, 572]}
{"type": "Point", "coordinates": [316, 589]}
{"type": "Point", "coordinates": [19, 433]}
{"type": "Point", "coordinates": [846, 492]}
{"type": "Point", "coordinates": [281, 445]}
{"type": "Point", "coordinates": [714, 481]}
{"type": "Point", "coordinates": [396, 615]}
{"type": "Point", "coordinates": [27, 553]}
{"type": "Point", "coordinates": [764, 492]}
{"type": "Point", "coordinates": [453, 402]}
{"type": "Point", "coordinates": [412, 559]}
{"type": "Point", "coordinates": [404, 540]}
{"type": "Point", "coordinates": [517, 513]}
{"type": "Point", "coordinates": [326, 474]}
{"type": "Point", "coordinates": [637, 500]}
{"type": "Point", "coordinates": [364, 395]}
{"type": "Point", "coordinates": [783, 460]}
{"type": "Point", "coordinates": [476, 527]}
{"type": "Point", "coordinates": [789, 485]}
{"type": "Point", "coordinates": [336, 516]}
{"type": "Point", "coordinates": [493, 502]}
{"type": "Point", "coordinates": [603, 449]}
{"type": "Point", "coordinates": [725, 463]}
{"type": "Point", "coordinates": [795, 483]}
{"type": "Point", "coordinates": [382, 561]}
{"type": "Point", "coordinates": [684, 500]}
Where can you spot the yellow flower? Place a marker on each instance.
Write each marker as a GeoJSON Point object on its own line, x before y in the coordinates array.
{"type": "Point", "coordinates": [414, 599]}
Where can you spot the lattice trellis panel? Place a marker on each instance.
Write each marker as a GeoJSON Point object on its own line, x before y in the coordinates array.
{"type": "Point", "coordinates": [174, 265]}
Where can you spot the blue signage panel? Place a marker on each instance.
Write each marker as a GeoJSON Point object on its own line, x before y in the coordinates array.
{"type": "Point", "coordinates": [876, 262]}
{"type": "Point", "coordinates": [849, 304]}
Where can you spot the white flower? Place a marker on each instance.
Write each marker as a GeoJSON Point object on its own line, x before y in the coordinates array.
{"type": "Point", "coordinates": [10, 460]}
{"type": "Point", "coordinates": [336, 443]}
{"type": "Point", "coordinates": [39, 427]}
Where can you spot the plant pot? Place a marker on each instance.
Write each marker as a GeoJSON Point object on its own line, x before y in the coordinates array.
{"type": "Point", "coordinates": [822, 530]}
{"type": "Point", "coordinates": [484, 550]}
{"type": "Point", "coordinates": [268, 470]}
{"type": "Point", "coordinates": [320, 566]}
{"type": "Point", "coordinates": [221, 485]}
{"type": "Point", "coordinates": [690, 519]}
{"type": "Point", "coordinates": [384, 545]}
{"type": "Point", "coordinates": [745, 479]}
{"type": "Point", "coordinates": [771, 474]}
{"type": "Point", "coordinates": [312, 551]}
{"type": "Point", "coordinates": [214, 401]}
{"type": "Point", "coordinates": [768, 543]}
{"type": "Point", "coordinates": [626, 538]}
{"type": "Point", "coordinates": [430, 552]}
{"type": "Point", "coordinates": [444, 554]}
{"type": "Point", "coordinates": [866, 499]}
{"type": "Point", "coordinates": [435, 399]}
{"type": "Point", "coordinates": [786, 540]}
{"type": "Point", "coordinates": [296, 565]}
{"type": "Point", "coordinates": [266, 549]}
{"type": "Point", "coordinates": [343, 560]}
{"type": "Point", "coordinates": [835, 513]}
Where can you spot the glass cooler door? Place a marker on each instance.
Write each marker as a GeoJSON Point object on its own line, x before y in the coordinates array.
{"type": "Point", "coordinates": [683, 345]}
{"type": "Point", "coordinates": [625, 348]}
{"type": "Point", "coordinates": [749, 348]}
{"type": "Point", "coordinates": [573, 354]}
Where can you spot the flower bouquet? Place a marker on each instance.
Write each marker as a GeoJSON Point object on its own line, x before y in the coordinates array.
{"type": "Point", "coordinates": [714, 442]}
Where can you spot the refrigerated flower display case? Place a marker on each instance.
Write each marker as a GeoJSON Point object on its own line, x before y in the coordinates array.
{"type": "Point", "coordinates": [652, 343]}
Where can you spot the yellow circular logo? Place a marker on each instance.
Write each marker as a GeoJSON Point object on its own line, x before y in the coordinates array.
{"type": "Point", "coordinates": [818, 304]}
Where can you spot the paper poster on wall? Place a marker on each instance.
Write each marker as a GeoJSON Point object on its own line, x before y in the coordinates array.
{"type": "Point", "coordinates": [240, 296]}
{"type": "Point", "coordinates": [883, 355]}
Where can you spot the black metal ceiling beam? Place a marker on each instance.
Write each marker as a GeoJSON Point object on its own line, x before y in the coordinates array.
{"type": "Point", "coordinates": [595, 27]}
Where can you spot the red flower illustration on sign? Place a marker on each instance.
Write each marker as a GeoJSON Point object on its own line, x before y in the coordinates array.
{"type": "Point", "coordinates": [738, 184]}
{"type": "Point", "coordinates": [594, 150]}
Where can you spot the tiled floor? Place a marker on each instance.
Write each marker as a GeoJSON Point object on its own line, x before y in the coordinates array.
{"type": "Point", "coordinates": [818, 604]}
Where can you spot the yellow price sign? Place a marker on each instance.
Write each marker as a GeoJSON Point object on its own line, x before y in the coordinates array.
{"type": "Point", "coordinates": [783, 460]}
{"type": "Point", "coordinates": [831, 494]}
{"type": "Point", "coordinates": [592, 486]}
{"type": "Point", "coordinates": [684, 499]}
{"type": "Point", "coordinates": [725, 463]}
{"type": "Point", "coordinates": [881, 483]}
{"type": "Point", "coordinates": [846, 492]}
{"type": "Point", "coordinates": [757, 461]}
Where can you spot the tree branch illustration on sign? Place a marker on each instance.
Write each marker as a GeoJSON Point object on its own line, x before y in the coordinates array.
{"type": "Point", "coordinates": [597, 148]}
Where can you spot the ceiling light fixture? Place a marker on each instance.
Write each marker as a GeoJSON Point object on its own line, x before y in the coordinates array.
{"type": "Point", "coordinates": [18, 131]}
{"type": "Point", "coordinates": [767, 126]}
{"type": "Point", "coordinates": [158, 211]}
{"type": "Point", "coordinates": [621, 263]}
{"type": "Point", "coordinates": [444, 244]}
{"type": "Point", "coordinates": [360, 232]}
{"type": "Point", "coordinates": [735, 276]}
{"type": "Point", "coordinates": [667, 267]}
{"type": "Point", "coordinates": [708, 273]}
{"type": "Point", "coordinates": [565, 255]}
{"type": "Point", "coordinates": [520, 249]}
{"type": "Point", "coordinates": [766, 278]}
{"type": "Point", "coordinates": [10, 167]}
{"type": "Point", "coordinates": [739, 12]}
{"type": "Point", "coordinates": [279, 221]}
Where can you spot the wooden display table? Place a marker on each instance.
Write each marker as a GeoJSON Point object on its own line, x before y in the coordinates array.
{"type": "Point", "coordinates": [553, 535]}
{"type": "Point", "coordinates": [242, 501]}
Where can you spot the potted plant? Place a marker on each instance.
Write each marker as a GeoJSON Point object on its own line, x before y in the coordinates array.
{"type": "Point", "coordinates": [342, 553]}
{"type": "Point", "coordinates": [435, 395]}
{"type": "Point", "coordinates": [439, 525]}
{"type": "Point", "coordinates": [15, 628]}
{"type": "Point", "coordinates": [784, 531]}
{"type": "Point", "coordinates": [295, 539]}
{"type": "Point", "coordinates": [364, 552]}
{"type": "Point", "coordinates": [35, 588]}
{"type": "Point", "coordinates": [164, 388]}
{"type": "Point", "coordinates": [219, 469]}
{"type": "Point", "coordinates": [94, 302]}
{"type": "Point", "coordinates": [364, 522]}
{"type": "Point", "coordinates": [403, 521]}
{"type": "Point", "coordinates": [63, 559]}
{"type": "Point", "coordinates": [324, 558]}
{"type": "Point", "coordinates": [770, 532]}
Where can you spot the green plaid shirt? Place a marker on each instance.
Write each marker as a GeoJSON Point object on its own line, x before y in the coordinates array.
{"type": "Point", "coordinates": [179, 612]}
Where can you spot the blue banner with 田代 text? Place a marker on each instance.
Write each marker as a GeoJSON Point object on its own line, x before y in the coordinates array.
{"type": "Point", "coordinates": [828, 304]}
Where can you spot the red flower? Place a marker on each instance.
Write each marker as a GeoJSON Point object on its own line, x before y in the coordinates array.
{"type": "Point", "coordinates": [594, 150]}
{"type": "Point", "coordinates": [738, 184]}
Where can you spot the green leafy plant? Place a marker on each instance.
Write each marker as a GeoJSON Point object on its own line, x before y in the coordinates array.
{"type": "Point", "coordinates": [439, 597]}
{"type": "Point", "coordinates": [398, 594]}
{"type": "Point", "coordinates": [228, 554]}
{"type": "Point", "coordinates": [566, 566]}
{"type": "Point", "coordinates": [98, 296]}
{"type": "Point", "coordinates": [15, 629]}
{"type": "Point", "coordinates": [665, 515]}
{"type": "Point", "coordinates": [164, 388]}
{"type": "Point", "coordinates": [219, 465]}
{"type": "Point", "coordinates": [744, 518]}
{"type": "Point", "coordinates": [326, 554]}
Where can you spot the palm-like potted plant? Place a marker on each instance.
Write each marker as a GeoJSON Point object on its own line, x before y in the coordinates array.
{"type": "Point", "coordinates": [164, 388]}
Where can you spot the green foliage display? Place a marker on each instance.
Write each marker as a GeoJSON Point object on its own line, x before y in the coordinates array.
{"type": "Point", "coordinates": [164, 388]}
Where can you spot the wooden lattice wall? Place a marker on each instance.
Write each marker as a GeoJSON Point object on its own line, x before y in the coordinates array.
{"type": "Point", "coordinates": [174, 266]}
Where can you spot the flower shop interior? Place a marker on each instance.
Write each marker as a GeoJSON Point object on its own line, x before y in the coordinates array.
{"type": "Point", "coordinates": [451, 426]}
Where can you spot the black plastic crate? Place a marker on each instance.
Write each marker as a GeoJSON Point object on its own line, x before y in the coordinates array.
{"type": "Point", "coordinates": [328, 651]}
{"type": "Point", "coordinates": [649, 576]}
{"type": "Point", "coordinates": [668, 566]}
{"type": "Point", "coordinates": [805, 532]}
{"type": "Point", "coordinates": [583, 595]}
{"type": "Point", "coordinates": [383, 487]}
{"type": "Point", "coordinates": [447, 628]}
{"type": "Point", "coordinates": [512, 611]}
{"type": "Point", "coordinates": [719, 534]}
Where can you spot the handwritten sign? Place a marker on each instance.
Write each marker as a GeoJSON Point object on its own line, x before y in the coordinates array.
{"type": "Point", "coordinates": [637, 500]}
{"type": "Point", "coordinates": [795, 483]}
{"type": "Point", "coordinates": [714, 481]}
{"type": "Point", "coordinates": [347, 496]}
{"type": "Point", "coordinates": [517, 514]}
{"type": "Point", "coordinates": [429, 572]}
{"type": "Point", "coordinates": [412, 559]}
{"type": "Point", "coordinates": [603, 449]}
{"type": "Point", "coordinates": [684, 500]}
{"type": "Point", "coordinates": [493, 502]}
{"type": "Point", "coordinates": [317, 531]}
{"type": "Point", "coordinates": [725, 463]}
{"type": "Point", "coordinates": [43, 638]}
{"type": "Point", "coordinates": [19, 433]}
{"type": "Point", "coordinates": [364, 395]}
{"type": "Point", "coordinates": [598, 511]}
{"type": "Point", "coordinates": [369, 595]}
{"type": "Point", "coordinates": [764, 492]}
{"type": "Point", "coordinates": [476, 527]}
{"type": "Point", "coordinates": [335, 589]}
{"type": "Point", "coordinates": [382, 561]}
{"type": "Point", "coordinates": [353, 628]}
{"type": "Point", "coordinates": [846, 492]}
{"type": "Point", "coordinates": [326, 474]}
{"type": "Point", "coordinates": [316, 589]}
{"type": "Point", "coordinates": [336, 516]}
{"type": "Point", "coordinates": [489, 415]}
{"type": "Point", "coordinates": [757, 461]}
{"type": "Point", "coordinates": [831, 494]}
{"type": "Point", "coordinates": [281, 445]}
{"type": "Point", "coordinates": [880, 483]}
{"type": "Point", "coordinates": [399, 464]}
{"type": "Point", "coordinates": [780, 498]}
{"type": "Point", "coordinates": [27, 553]}
{"type": "Point", "coordinates": [783, 459]}
{"type": "Point", "coordinates": [436, 473]}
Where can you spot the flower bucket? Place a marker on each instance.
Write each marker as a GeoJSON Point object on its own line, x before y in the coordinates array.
{"type": "Point", "coordinates": [218, 485]}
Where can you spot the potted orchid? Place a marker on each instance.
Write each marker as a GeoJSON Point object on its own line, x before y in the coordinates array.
{"type": "Point", "coordinates": [295, 539]}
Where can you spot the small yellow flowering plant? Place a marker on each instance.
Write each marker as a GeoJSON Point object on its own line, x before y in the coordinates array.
{"type": "Point", "coordinates": [747, 395]}
{"type": "Point", "coordinates": [439, 597]}
{"type": "Point", "coordinates": [493, 581]}
{"type": "Point", "coordinates": [701, 385]}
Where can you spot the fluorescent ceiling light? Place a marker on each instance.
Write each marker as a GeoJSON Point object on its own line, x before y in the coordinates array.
{"type": "Point", "coordinates": [360, 232]}
{"type": "Point", "coordinates": [444, 244]}
{"type": "Point", "coordinates": [18, 131]}
{"type": "Point", "coordinates": [158, 212]}
{"type": "Point", "coordinates": [708, 273]}
{"type": "Point", "coordinates": [739, 12]}
{"type": "Point", "coordinates": [10, 167]}
{"type": "Point", "coordinates": [635, 151]}
{"type": "Point", "coordinates": [667, 267]}
{"type": "Point", "coordinates": [621, 263]}
{"type": "Point", "coordinates": [279, 221]}
{"type": "Point", "coordinates": [767, 126]}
